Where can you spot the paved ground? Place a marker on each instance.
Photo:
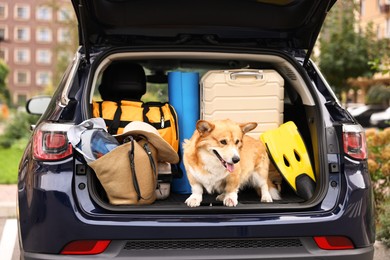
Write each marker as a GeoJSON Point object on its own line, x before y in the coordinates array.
{"type": "Point", "coordinates": [381, 252]}
{"type": "Point", "coordinates": [8, 200]}
{"type": "Point", "coordinates": [9, 246]}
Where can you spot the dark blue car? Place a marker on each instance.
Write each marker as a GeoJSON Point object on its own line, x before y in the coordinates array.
{"type": "Point", "coordinates": [63, 209]}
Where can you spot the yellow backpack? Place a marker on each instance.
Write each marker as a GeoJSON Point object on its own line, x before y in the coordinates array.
{"type": "Point", "coordinates": [160, 115]}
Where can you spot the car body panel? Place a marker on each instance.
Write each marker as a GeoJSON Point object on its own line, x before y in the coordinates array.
{"type": "Point", "coordinates": [42, 223]}
{"type": "Point", "coordinates": [58, 201]}
{"type": "Point", "coordinates": [363, 113]}
{"type": "Point", "coordinates": [381, 119]}
{"type": "Point", "coordinates": [297, 25]}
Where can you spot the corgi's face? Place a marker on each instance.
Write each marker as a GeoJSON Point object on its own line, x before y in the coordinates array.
{"type": "Point", "coordinates": [223, 140]}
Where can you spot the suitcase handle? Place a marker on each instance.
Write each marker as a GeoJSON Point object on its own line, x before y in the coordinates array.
{"type": "Point", "coordinates": [258, 74]}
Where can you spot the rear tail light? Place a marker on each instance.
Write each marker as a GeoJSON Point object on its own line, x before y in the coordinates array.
{"type": "Point", "coordinates": [50, 142]}
{"type": "Point", "coordinates": [334, 242]}
{"type": "Point", "coordinates": [85, 247]}
{"type": "Point", "coordinates": [354, 141]}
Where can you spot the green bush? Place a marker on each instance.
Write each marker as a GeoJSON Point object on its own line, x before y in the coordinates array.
{"type": "Point", "coordinates": [9, 161]}
{"type": "Point", "coordinates": [5, 142]}
{"type": "Point", "coordinates": [12, 144]}
{"type": "Point", "coordinates": [384, 223]}
{"type": "Point", "coordinates": [378, 94]}
{"type": "Point", "coordinates": [378, 144]}
{"type": "Point", "coordinates": [17, 127]}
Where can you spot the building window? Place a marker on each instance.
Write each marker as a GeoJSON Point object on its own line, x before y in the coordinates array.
{"type": "Point", "coordinates": [3, 11]}
{"type": "Point", "coordinates": [43, 56]}
{"type": "Point", "coordinates": [64, 14]}
{"type": "Point", "coordinates": [22, 12]}
{"type": "Point", "coordinates": [4, 54]}
{"type": "Point", "coordinates": [44, 35]}
{"type": "Point", "coordinates": [378, 31]}
{"type": "Point", "coordinates": [22, 34]}
{"type": "Point", "coordinates": [3, 33]}
{"type": "Point", "coordinates": [65, 56]}
{"type": "Point", "coordinates": [43, 78]}
{"type": "Point", "coordinates": [22, 77]}
{"type": "Point", "coordinates": [64, 35]}
{"type": "Point", "coordinates": [363, 8]}
{"type": "Point", "coordinates": [21, 99]}
{"type": "Point", "coordinates": [44, 13]}
{"type": "Point", "coordinates": [387, 32]}
{"type": "Point", "coordinates": [22, 55]}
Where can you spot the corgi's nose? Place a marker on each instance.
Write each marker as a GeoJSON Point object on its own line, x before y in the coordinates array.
{"type": "Point", "coordinates": [236, 159]}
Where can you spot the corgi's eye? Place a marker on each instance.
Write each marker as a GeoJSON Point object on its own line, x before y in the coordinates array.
{"type": "Point", "coordinates": [237, 141]}
{"type": "Point", "coordinates": [224, 142]}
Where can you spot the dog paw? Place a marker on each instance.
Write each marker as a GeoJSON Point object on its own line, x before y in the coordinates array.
{"type": "Point", "coordinates": [220, 197]}
{"type": "Point", "coordinates": [230, 200]}
{"type": "Point", "coordinates": [194, 200]}
{"type": "Point", "coordinates": [275, 194]}
{"type": "Point", "coordinates": [266, 197]}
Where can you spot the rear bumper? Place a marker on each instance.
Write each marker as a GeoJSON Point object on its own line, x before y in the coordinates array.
{"type": "Point", "coordinates": [197, 249]}
{"type": "Point", "coordinates": [50, 218]}
{"type": "Point", "coordinates": [48, 227]}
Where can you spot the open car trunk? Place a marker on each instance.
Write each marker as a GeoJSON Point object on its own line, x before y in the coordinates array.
{"type": "Point", "coordinates": [299, 106]}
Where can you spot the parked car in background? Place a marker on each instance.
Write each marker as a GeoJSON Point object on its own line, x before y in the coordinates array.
{"type": "Point", "coordinates": [352, 106]}
{"type": "Point", "coordinates": [363, 113]}
{"type": "Point", "coordinates": [63, 209]}
{"type": "Point", "coordinates": [381, 119]}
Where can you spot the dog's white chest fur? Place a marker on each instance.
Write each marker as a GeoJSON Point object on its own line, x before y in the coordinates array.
{"type": "Point", "coordinates": [211, 175]}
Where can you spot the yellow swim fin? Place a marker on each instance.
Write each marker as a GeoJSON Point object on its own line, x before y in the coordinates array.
{"type": "Point", "coordinates": [287, 150]}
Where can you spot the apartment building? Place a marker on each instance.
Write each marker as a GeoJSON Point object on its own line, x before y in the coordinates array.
{"type": "Point", "coordinates": [376, 12]}
{"type": "Point", "coordinates": [30, 30]}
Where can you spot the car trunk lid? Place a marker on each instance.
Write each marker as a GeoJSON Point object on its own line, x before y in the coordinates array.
{"type": "Point", "coordinates": [262, 23]}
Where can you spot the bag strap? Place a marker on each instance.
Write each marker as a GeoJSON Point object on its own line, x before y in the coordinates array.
{"type": "Point", "coordinates": [158, 125]}
{"type": "Point", "coordinates": [145, 110]}
{"type": "Point", "coordinates": [100, 109]}
{"type": "Point", "coordinates": [152, 163]}
{"type": "Point", "coordinates": [132, 166]}
{"type": "Point", "coordinates": [177, 172]}
{"type": "Point", "coordinates": [113, 127]}
{"type": "Point", "coordinates": [175, 123]}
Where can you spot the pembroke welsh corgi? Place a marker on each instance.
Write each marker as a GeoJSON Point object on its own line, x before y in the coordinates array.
{"type": "Point", "coordinates": [221, 158]}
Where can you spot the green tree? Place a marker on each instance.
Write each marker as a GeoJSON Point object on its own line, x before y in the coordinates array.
{"type": "Point", "coordinates": [380, 52]}
{"type": "Point", "coordinates": [345, 51]}
{"type": "Point", "coordinates": [378, 94]}
{"type": "Point", "coordinates": [380, 64]}
{"type": "Point", "coordinates": [17, 128]}
{"type": "Point", "coordinates": [63, 51]}
{"type": "Point", "coordinates": [4, 92]}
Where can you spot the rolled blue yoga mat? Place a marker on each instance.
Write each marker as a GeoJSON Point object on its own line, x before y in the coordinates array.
{"type": "Point", "coordinates": [183, 93]}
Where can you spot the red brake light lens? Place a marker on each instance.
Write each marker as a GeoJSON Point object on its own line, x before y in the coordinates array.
{"type": "Point", "coordinates": [55, 141]}
{"type": "Point", "coordinates": [354, 141]}
{"type": "Point", "coordinates": [50, 143]}
{"type": "Point", "coordinates": [334, 243]}
{"type": "Point", "coordinates": [85, 247]}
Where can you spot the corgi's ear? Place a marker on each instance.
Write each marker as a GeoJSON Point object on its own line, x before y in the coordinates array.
{"type": "Point", "coordinates": [204, 127]}
{"type": "Point", "coordinates": [246, 127]}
